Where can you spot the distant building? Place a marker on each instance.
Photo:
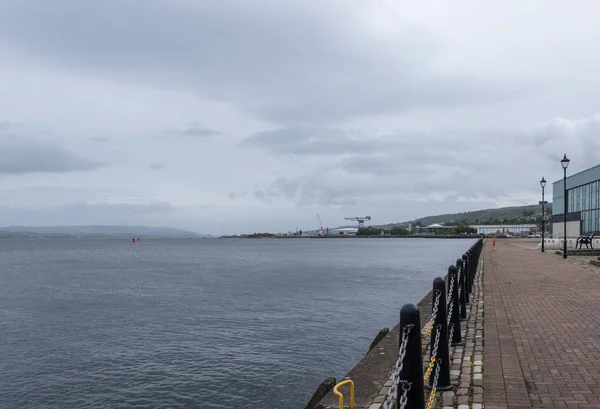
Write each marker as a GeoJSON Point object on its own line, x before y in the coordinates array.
{"type": "Point", "coordinates": [348, 231]}
{"type": "Point", "coordinates": [583, 204]}
{"type": "Point", "coordinates": [512, 229]}
{"type": "Point", "coordinates": [434, 229]}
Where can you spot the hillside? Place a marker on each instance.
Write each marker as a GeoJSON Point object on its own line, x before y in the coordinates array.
{"type": "Point", "coordinates": [95, 231]}
{"type": "Point", "coordinates": [481, 216]}
{"type": "Point", "coordinates": [491, 216]}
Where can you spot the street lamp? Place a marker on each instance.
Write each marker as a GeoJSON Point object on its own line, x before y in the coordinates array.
{"type": "Point", "coordinates": [565, 164]}
{"type": "Point", "coordinates": [543, 185]}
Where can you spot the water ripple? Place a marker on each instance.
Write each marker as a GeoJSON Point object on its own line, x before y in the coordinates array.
{"type": "Point", "coordinates": [205, 324]}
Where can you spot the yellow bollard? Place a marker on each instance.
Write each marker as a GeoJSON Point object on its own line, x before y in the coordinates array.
{"type": "Point", "coordinates": [341, 397]}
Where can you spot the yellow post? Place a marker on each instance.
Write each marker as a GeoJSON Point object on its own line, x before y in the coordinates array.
{"type": "Point", "coordinates": [341, 397]}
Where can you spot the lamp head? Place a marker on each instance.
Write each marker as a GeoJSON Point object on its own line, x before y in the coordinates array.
{"type": "Point", "coordinates": [564, 162]}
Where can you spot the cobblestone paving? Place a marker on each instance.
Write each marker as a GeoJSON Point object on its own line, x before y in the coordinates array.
{"type": "Point", "coordinates": [466, 372]}
{"type": "Point", "coordinates": [542, 330]}
{"type": "Point", "coordinates": [581, 261]}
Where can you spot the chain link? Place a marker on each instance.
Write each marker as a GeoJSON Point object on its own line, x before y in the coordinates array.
{"type": "Point", "coordinates": [436, 344]}
{"type": "Point", "coordinates": [404, 398]}
{"type": "Point", "coordinates": [393, 392]}
{"type": "Point", "coordinates": [450, 290]}
{"type": "Point", "coordinates": [436, 305]}
{"type": "Point", "coordinates": [451, 335]}
{"type": "Point", "coordinates": [436, 377]}
{"type": "Point", "coordinates": [450, 300]}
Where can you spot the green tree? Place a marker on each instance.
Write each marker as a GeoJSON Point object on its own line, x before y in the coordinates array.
{"type": "Point", "coordinates": [368, 231]}
{"type": "Point", "coordinates": [399, 231]}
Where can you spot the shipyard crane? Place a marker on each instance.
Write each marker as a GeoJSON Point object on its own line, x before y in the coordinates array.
{"type": "Point", "coordinates": [321, 232]}
{"type": "Point", "coordinates": [361, 220]}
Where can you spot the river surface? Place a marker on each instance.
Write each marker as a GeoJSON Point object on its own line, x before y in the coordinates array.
{"type": "Point", "coordinates": [221, 323]}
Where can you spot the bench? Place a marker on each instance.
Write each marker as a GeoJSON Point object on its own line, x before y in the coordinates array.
{"type": "Point", "coordinates": [587, 240]}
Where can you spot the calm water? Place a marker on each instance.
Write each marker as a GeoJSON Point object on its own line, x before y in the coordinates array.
{"type": "Point", "coordinates": [198, 323]}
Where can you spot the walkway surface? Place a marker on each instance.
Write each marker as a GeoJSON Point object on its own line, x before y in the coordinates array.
{"type": "Point", "coordinates": [542, 331]}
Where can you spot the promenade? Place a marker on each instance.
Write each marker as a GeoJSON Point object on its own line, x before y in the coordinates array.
{"type": "Point", "coordinates": [542, 330]}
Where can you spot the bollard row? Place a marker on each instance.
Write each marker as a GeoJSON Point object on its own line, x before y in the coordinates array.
{"type": "Point", "coordinates": [449, 307]}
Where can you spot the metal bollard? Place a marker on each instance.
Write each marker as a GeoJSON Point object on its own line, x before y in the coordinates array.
{"type": "Point", "coordinates": [461, 285]}
{"type": "Point", "coordinates": [454, 315]}
{"type": "Point", "coordinates": [471, 254]}
{"type": "Point", "coordinates": [470, 275]}
{"type": "Point", "coordinates": [440, 326]}
{"type": "Point", "coordinates": [412, 368]}
{"type": "Point", "coordinates": [466, 270]}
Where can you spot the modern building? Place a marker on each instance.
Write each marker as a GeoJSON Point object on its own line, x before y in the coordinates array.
{"type": "Point", "coordinates": [512, 229]}
{"type": "Point", "coordinates": [583, 204]}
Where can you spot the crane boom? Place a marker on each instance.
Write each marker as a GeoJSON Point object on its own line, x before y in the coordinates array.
{"type": "Point", "coordinates": [321, 230]}
{"type": "Point", "coordinates": [361, 220]}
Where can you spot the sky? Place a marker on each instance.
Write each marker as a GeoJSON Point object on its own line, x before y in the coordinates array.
{"type": "Point", "coordinates": [228, 117]}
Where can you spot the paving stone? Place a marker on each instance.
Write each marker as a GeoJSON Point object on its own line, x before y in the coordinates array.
{"type": "Point", "coordinates": [379, 399]}
{"type": "Point", "coordinates": [447, 400]}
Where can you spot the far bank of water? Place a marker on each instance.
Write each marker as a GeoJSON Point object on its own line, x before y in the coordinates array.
{"type": "Point", "coordinates": [223, 323]}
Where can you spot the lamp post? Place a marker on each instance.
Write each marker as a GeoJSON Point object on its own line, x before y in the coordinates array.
{"type": "Point", "coordinates": [543, 185]}
{"type": "Point", "coordinates": [565, 164]}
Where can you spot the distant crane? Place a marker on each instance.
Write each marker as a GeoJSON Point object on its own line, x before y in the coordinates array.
{"type": "Point", "coordinates": [321, 232]}
{"type": "Point", "coordinates": [361, 220]}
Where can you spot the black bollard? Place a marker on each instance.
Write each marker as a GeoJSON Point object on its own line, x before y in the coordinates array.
{"type": "Point", "coordinates": [474, 258]}
{"type": "Point", "coordinates": [412, 369]}
{"type": "Point", "coordinates": [461, 285]}
{"type": "Point", "coordinates": [454, 316]}
{"type": "Point", "coordinates": [440, 326]}
{"type": "Point", "coordinates": [467, 273]}
{"type": "Point", "coordinates": [471, 255]}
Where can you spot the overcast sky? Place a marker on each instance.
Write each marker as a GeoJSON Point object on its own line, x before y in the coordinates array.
{"type": "Point", "coordinates": [233, 116]}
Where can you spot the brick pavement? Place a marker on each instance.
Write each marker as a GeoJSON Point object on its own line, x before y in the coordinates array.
{"type": "Point", "coordinates": [542, 331]}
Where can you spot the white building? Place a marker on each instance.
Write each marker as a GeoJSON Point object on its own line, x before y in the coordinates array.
{"type": "Point", "coordinates": [513, 229]}
{"type": "Point", "coordinates": [348, 231]}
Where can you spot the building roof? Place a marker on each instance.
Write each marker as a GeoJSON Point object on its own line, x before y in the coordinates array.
{"type": "Point", "coordinates": [439, 226]}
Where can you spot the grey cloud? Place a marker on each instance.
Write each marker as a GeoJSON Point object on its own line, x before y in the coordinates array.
{"type": "Point", "coordinates": [20, 155]}
{"type": "Point", "coordinates": [157, 166]}
{"type": "Point", "coordinates": [293, 64]}
{"type": "Point", "coordinates": [441, 162]}
{"type": "Point", "coordinates": [100, 138]}
{"type": "Point", "coordinates": [81, 213]}
{"type": "Point", "coordinates": [193, 131]}
{"type": "Point", "coordinates": [312, 141]}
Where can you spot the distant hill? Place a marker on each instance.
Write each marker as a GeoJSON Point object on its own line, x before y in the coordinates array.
{"type": "Point", "coordinates": [480, 216]}
{"type": "Point", "coordinates": [474, 217]}
{"type": "Point", "coordinates": [96, 231]}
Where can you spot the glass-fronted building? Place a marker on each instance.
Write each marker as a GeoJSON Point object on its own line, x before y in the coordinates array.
{"type": "Point", "coordinates": [583, 203]}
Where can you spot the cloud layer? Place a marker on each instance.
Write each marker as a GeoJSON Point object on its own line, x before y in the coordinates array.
{"type": "Point", "coordinates": [225, 116]}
